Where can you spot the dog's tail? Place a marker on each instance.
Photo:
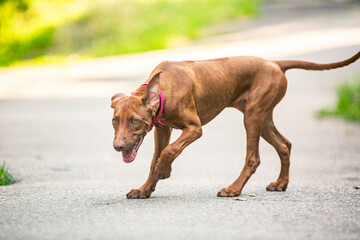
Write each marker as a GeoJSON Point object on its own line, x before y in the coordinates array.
{"type": "Point", "coordinates": [285, 65]}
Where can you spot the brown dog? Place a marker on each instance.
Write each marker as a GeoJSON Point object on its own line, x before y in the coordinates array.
{"type": "Point", "coordinates": [187, 95]}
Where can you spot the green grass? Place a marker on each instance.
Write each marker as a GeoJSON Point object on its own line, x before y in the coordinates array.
{"type": "Point", "coordinates": [348, 102]}
{"type": "Point", "coordinates": [5, 177]}
{"type": "Point", "coordinates": [53, 30]}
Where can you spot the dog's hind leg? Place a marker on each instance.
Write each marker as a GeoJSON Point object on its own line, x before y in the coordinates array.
{"type": "Point", "coordinates": [265, 93]}
{"type": "Point", "coordinates": [283, 148]}
{"type": "Point", "coordinates": [254, 119]}
{"type": "Point", "coordinates": [162, 138]}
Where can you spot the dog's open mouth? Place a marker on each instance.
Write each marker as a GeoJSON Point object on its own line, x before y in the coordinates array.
{"type": "Point", "coordinates": [130, 154]}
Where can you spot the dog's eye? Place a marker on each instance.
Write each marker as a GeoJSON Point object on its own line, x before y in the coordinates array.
{"type": "Point", "coordinates": [114, 121]}
{"type": "Point", "coordinates": [134, 120]}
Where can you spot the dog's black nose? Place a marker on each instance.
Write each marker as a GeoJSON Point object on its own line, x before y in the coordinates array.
{"type": "Point", "coordinates": [119, 146]}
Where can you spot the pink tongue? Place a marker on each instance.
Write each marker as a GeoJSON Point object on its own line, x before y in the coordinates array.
{"type": "Point", "coordinates": [129, 156]}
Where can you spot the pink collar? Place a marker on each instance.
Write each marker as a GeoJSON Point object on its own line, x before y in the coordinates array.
{"type": "Point", "coordinates": [160, 112]}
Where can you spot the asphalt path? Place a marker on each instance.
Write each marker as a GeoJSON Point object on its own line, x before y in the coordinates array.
{"type": "Point", "coordinates": [71, 184]}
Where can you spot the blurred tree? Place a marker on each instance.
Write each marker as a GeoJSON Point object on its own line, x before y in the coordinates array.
{"type": "Point", "coordinates": [56, 29]}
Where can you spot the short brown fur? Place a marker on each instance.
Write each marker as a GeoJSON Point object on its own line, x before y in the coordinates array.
{"type": "Point", "coordinates": [194, 93]}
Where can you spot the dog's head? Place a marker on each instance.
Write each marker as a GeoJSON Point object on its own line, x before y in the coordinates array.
{"type": "Point", "coordinates": [133, 116]}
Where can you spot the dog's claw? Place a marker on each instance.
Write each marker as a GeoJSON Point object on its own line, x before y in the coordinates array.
{"type": "Point", "coordinates": [152, 189]}
{"type": "Point", "coordinates": [227, 192]}
{"type": "Point", "coordinates": [278, 186]}
{"type": "Point", "coordinates": [138, 194]}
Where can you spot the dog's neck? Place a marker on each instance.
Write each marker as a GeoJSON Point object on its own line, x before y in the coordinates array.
{"type": "Point", "coordinates": [159, 111]}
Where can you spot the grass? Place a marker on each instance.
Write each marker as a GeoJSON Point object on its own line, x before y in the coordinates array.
{"type": "Point", "coordinates": [5, 177]}
{"type": "Point", "coordinates": [348, 102]}
{"type": "Point", "coordinates": [43, 31]}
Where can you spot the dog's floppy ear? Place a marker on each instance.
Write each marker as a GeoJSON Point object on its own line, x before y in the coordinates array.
{"type": "Point", "coordinates": [151, 96]}
{"type": "Point", "coordinates": [116, 98]}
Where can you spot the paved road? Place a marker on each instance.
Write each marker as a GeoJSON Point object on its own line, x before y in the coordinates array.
{"type": "Point", "coordinates": [72, 184]}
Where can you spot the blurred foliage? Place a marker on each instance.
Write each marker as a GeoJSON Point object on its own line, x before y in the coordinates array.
{"type": "Point", "coordinates": [49, 30]}
{"type": "Point", "coordinates": [348, 102]}
{"type": "Point", "coordinates": [27, 26]}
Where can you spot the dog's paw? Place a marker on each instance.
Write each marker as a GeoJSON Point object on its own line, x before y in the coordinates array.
{"type": "Point", "coordinates": [162, 170]}
{"type": "Point", "coordinates": [138, 193]}
{"type": "Point", "coordinates": [228, 192]}
{"type": "Point", "coordinates": [278, 186]}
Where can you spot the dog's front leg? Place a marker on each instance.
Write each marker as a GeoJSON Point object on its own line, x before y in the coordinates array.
{"type": "Point", "coordinates": [172, 151]}
{"type": "Point", "coordinates": [162, 138]}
